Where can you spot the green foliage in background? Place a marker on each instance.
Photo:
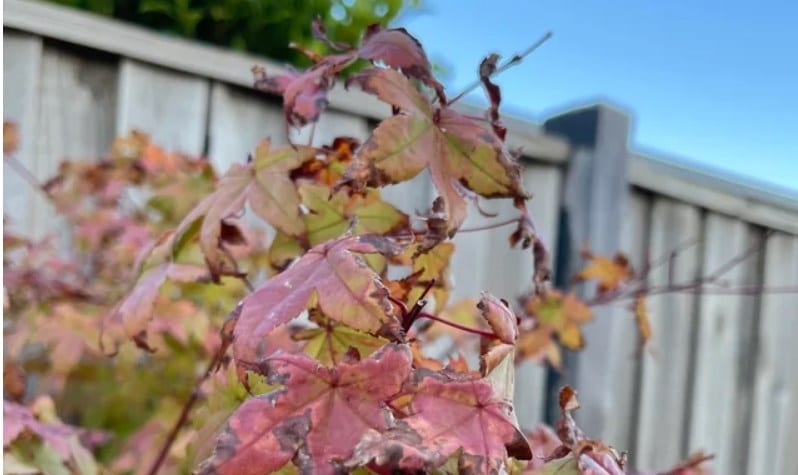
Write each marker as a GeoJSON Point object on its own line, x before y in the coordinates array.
{"type": "Point", "coordinates": [262, 27]}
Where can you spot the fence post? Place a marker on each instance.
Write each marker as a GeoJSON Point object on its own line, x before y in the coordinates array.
{"type": "Point", "coordinates": [594, 202]}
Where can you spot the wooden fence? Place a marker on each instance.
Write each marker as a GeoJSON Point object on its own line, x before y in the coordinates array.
{"type": "Point", "coordinates": [721, 375]}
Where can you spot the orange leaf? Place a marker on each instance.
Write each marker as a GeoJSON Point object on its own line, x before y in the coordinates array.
{"type": "Point", "coordinates": [609, 273]}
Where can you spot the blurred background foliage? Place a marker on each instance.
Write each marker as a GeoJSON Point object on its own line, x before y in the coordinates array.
{"type": "Point", "coordinates": [261, 27]}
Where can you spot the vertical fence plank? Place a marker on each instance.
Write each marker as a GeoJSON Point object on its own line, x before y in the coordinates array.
{"type": "Point", "coordinates": [596, 189]}
{"type": "Point", "coordinates": [665, 375]}
{"type": "Point", "coordinates": [331, 124]}
{"type": "Point", "coordinates": [721, 321]}
{"type": "Point", "coordinates": [774, 431]}
{"type": "Point", "coordinates": [239, 119]}
{"type": "Point", "coordinates": [509, 273]}
{"type": "Point", "coordinates": [77, 102]}
{"type": "Point", "coordinates": [621, 368]}
{"type": "Point", "coordinates": [172, 107]}
{"type": "Point", "coordinates": [22, 55]}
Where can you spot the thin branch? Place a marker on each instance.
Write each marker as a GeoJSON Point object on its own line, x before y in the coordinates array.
{"type": "Point", "coordinates": [488, 226]}
{"type": "Point", "coordinates": [754, 248]}
{"type": "Point", "coordinates": [516, 59]}
{"type": "Point", "coordinates": [464, 328]}
{"type": "Point", "coordinates": [226, 333]}
{"type": "Point", "coordinates": [26, 175]}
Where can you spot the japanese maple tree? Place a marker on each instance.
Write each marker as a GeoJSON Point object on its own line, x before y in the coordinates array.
{"type": "Point", "coordinates": [311, 340]}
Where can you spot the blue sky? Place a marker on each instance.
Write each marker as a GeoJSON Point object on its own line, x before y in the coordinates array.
{"type": "Point", "coordinates": [713, 82]}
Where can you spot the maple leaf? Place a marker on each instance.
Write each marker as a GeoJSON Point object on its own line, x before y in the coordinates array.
{"type": "Point", "coordinates": [500, 317]}
{"type": "Point", "coordinates": [265, 184]}
{"type": "Point", "coordinates": [346, 289]}
{"type": "Point", "coordinates": [305, 93]}
{"type": "Point", "coordinates": [560, 314]}
{"type": "Point", "coordinates": [461, 153]}
{"type": "Point", "coordinates": [331, 343]}
{"type": "Point", "coordinates": [610, 274]}
{"type": "Point", "coordinates": [317, 418]}
{"type": "Point", "coordinates": [448, 414]}
{"type": "Point", "coordinates": [129, 318]}
{"type": "Point", "coordinates": [398, 49]}
{"type": "Point", "coordinates": [329, 219]}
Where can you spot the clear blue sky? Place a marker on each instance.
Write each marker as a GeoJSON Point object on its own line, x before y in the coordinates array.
{"type": "Point", "coordinates": [714, 82]}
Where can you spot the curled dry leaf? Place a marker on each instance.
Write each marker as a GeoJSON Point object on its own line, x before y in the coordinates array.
{"type": "Point", "coordinates": [332, 275]}
{"type": "Point", "coordinates": [486, 69]}
{"type": "Point", "coordinates": [577, 454]}
{"type": "Point", "coordinates": [500, 317]}
{"type": "Point", "coordinates": [448, 414]}
{"type": "Point", "coordinates": [316, 420]}
{"type": "Point", "coordinates": [305, 93]}
{"type": "Point", "coordinates": [461, 153]}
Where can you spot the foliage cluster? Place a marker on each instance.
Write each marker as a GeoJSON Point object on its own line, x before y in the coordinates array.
{"type": "Point", "coordinates": [261, 27]}
{"type": "Point", "coordinates": [305, 345]}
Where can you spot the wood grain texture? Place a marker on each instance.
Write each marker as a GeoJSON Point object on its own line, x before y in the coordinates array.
{"type": "Point", "coordinates": [239, 119]}
{"type": "Point", "coordinates": [22, 57]}
{"type": "Point", "coordinates": [774, 428]}
{"type": "Point", "coordinates": [720, 328]}
{"type": "Point", "coordinates": [130, 41]}
{"type": "Point", "coordinates": [172, 107]}
{"type": "Point", "coordinates": [614, 386]}
{"type": "Point", "coordinates": [665, 373]}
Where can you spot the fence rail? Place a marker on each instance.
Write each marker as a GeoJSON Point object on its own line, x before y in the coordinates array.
{"type": "Point", "coordinates": [722, 374]}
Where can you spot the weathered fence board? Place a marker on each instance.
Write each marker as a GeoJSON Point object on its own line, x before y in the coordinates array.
{"type": "Point", "coordinates": [172, 107]}
{"type": "Point", "coordinates": [240, 119]}
{"type": "Point", "coordinates": [774, 436]}
{"type": "Point", "coordinates": [77, 105]}
{"type": "Point", "coordinates": [22, 55]}
{"type": "Point", "coordinates": [617, 392]}
{"type": "Point", "coordinates": [719, 330]}
{"type": "Point", "coordinates": [665, 375]}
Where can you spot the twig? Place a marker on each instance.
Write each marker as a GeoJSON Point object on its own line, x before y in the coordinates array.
{"type": "Point", "coordinates": [754, 248]}
{"type": "Point", "coordinates": [488, 226]}
{"type": "Point", "coordinates": [475, 331]}
{"type": "Point", "coordinates": [516, 59]}
{"type": "Point", "coordinates": [26, 175]}
{"type": "Point", "coordinates": [227, 338]}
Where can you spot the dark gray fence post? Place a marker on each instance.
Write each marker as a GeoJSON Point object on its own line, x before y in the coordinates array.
{"type": "Point", "coordinates": [594, 201]}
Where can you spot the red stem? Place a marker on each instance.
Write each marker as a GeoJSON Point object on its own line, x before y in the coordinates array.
{"type": "Point", "coordinates": [488, 226]}
{"type": "Point", "coordinates": [464, 328]}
